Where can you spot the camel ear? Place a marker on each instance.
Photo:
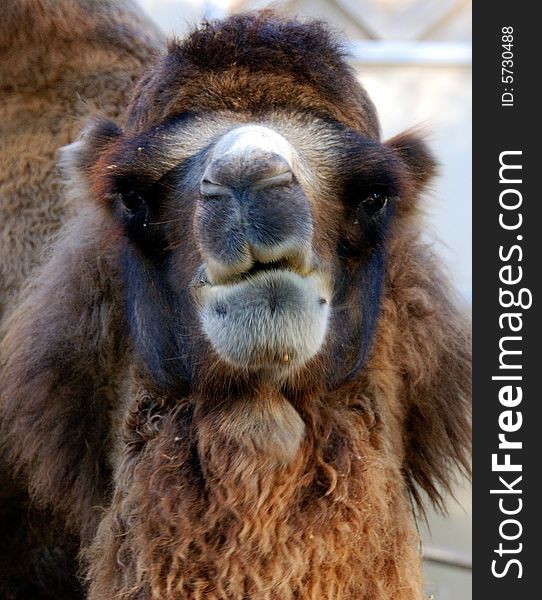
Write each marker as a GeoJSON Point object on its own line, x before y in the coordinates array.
{"type": "Point", "coordinates": [94, 139]}
{"type": "Point", "coordinates": [78, 158]}
{"type": "Point", "coordinates": [416, 158]}
{"type": "Point", "coordinates": [61, 353]}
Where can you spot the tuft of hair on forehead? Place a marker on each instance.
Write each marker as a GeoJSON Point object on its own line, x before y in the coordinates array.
{"type": "Point", "coordinates": [252, 62]}
{"type": "Point", "coordinates": [265, 42]}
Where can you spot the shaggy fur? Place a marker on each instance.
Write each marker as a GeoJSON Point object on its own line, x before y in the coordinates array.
{"type": "Point", "coordinates": [245, 65]}
{"type": "Point", "coordinates": [60, 62]}
{"type": "Point", "coordinates": [334, 523]}
{"type": "Point", "coordinates": [188, 478]}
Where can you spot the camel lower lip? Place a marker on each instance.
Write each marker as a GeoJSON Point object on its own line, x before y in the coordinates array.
{"type": "Point", "coordinates": [274, 317]}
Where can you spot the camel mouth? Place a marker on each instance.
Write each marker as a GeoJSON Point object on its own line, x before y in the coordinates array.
{"type": "Point", "coordinates": [270, 316]}
{"type": "Point", "coordinates": [260, 267]}
{"type": "Point", "coordinates": [257, 268]}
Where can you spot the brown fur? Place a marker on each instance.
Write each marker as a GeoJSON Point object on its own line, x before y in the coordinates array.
{"type": "Point", "coordinates": [240, 66]}
{"type": "Point", "coordinates": [60, 62]}
{"type": "Point", "coordinates": [335, 523]}
{"type": "Point", "coordinates": [206, 502]}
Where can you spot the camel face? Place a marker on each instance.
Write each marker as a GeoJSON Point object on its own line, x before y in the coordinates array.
{"type": "Point", "coordinates": [265, 234]}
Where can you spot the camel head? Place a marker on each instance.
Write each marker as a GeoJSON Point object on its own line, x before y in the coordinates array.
{"type": "Point", "coordinates": [255, 198]}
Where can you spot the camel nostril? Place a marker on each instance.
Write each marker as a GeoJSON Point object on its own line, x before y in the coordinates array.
{"type": "Point", "coordinates": [212, 189]}
{"type": "Point", "coordinates": [278, 180]}
{"type": "Point", "coordinates": [209, 189]}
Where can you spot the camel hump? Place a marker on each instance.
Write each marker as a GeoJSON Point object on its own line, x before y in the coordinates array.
{"type": "Point", "coordinates": [61, 63]}
{"type": "Point", "coordinates": [42, 41]}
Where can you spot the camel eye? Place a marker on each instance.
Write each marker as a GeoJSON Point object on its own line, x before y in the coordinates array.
{"type": "Point", "coordinates": [132, 200]}
{"type": "Point", "coordinates": [375, 202]}
{"type": "Point", "coordinates": [371, 206]}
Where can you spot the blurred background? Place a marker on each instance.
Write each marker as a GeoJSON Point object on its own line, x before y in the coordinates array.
{"type": "Point", "coordinates": [414, 58]}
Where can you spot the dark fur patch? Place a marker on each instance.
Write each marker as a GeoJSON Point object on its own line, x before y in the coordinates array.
{"type": "Point", "coordinates": [153, 315]}
{"type": "Point", "coordinates": [370, 284]}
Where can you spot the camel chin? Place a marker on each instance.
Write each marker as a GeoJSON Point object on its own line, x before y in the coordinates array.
{"type": "Point", "coordinates": [275, 320]}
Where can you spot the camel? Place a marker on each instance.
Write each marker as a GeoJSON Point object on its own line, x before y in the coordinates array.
{"type": "Point", "coordinates": [238, 366]}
